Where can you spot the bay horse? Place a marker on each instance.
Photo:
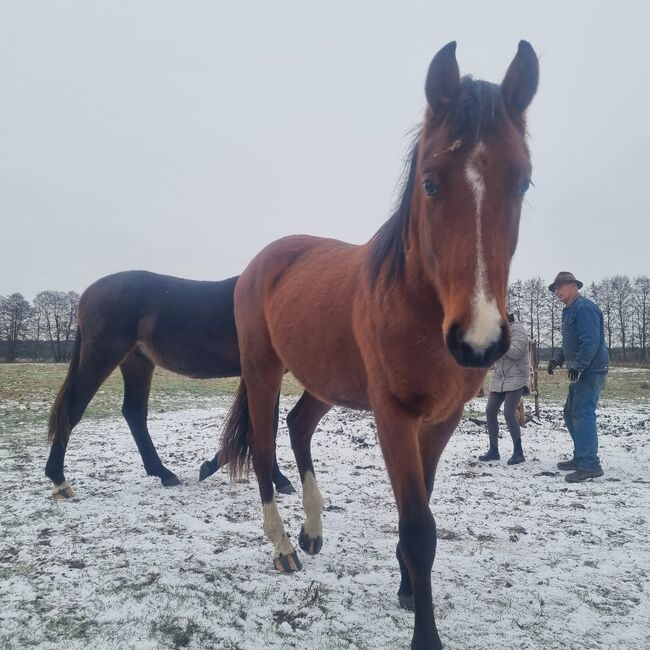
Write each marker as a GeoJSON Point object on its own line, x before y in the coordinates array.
{"type": "Point", "coordinates": [404, 325]}
{"type": "Point", "coordinates": [137, 320]}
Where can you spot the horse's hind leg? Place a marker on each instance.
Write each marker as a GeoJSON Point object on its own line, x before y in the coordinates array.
{"type": "Point", "coordinates": [282, 483]}
{"type": "Point", "coordinates": [88, 373]}
{"type": "Point", "coordinates": [263, 387]}
{"type": "Point", "coordinates": [137, 371]}
{"type": "Point", "coordinates": [432, 442]}
{"type": "Point", "coordinates": [302, 422]}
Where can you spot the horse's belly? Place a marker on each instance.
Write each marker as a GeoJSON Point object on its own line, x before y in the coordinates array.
{"type": "Point", "coordinates": [192, 360]}
{"type": "Point", "coordinates": [332, 371]}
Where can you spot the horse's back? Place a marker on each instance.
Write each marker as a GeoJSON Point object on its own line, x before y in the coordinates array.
{"type": "Point", "coordinates": [298, 295]}
{"type": "Point", "coordinates": [186, 326]}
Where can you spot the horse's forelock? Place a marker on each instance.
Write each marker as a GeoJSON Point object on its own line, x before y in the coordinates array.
{"type": "Point", "coordinates": [477, 110]}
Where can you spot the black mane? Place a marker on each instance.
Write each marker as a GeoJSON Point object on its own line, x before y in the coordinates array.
{"type": "Point", "coordinates": [478, 108]}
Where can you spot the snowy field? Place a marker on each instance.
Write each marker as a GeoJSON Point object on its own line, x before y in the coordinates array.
{"type": "Point", "coordinates": [524, 559]}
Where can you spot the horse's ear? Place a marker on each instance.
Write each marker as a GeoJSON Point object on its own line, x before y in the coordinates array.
{"type": "Point", "coordinates": [443, 78]}
{"type": "Point", "coordinates": [520, 83]}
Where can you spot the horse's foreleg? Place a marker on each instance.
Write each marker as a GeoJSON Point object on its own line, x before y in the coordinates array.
{"type": "Point", "coordinates": [432, 442]}
{"type": "Point", "coordinates": [302, 422]}
{"type": "Point", "coordinates": [137, 371]}
{"type": "Point", "coordinates": [398, 435]}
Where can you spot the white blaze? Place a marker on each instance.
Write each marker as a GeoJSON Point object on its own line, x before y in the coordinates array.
{"type": "Point", "coordinates": [486, 322]}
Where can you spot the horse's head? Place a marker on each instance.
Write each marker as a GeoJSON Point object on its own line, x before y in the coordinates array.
{"type": "Point", "coordinates": [471, 174]}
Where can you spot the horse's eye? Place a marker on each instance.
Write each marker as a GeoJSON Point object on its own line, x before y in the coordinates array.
{"type": "Point", "coordinates": [523, 188]}
{"type": "Point", "coordinates": [429, 187]}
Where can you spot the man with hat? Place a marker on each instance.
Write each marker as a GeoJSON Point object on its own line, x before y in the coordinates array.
{"type": "Point", "coordinates": [585, 354]}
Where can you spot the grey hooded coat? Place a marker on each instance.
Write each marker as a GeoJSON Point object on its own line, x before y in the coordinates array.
{"type": "Point", "coordinates": [510, 372]}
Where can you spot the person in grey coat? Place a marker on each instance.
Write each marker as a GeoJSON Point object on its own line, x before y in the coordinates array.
{"type": "Point", "coordinates": [508, 383]}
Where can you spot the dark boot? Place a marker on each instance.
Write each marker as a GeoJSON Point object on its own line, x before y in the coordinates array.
{"type": "Point", "coordinates": [517, 454]}
{"type": "Point", "coordinates": [491, 454]}
{"type": "Point", "coordinates": [567, 465]}
{"type": "Point", "coordinates": [583, 474]}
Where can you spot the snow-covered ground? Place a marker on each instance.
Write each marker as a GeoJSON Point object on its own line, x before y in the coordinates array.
{"type": "Point", "coordinates": [524, 559]}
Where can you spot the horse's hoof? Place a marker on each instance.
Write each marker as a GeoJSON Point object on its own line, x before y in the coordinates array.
{"type": "Point", "coordinates": [63, 491]}
{"type": "Point", "coordinates": [170, 481]}
{"type": "Point", "coordinates": [310, 545]}
{"type": "Point", "coordinates": [406, 601]}
{"type": "Point", "coordinates": [287, 563]}
{"type": "Point", "coordinates": [285, 488]}
{"type": "Point", "coordinates": [207, 469]}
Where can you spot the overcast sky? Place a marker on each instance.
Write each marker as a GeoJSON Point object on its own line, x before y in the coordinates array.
{"type": "Point", "coordinates": [181, 137]}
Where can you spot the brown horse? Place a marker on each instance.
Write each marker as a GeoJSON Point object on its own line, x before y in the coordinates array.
{"type": "Point", "coordinates": [137, 320]}
{"type": "Point", "coordinates": [404, 325]}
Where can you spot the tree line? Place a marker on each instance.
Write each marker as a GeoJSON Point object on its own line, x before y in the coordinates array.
{"type": "Point", "coordinates": [45, 329]}
{"type": "Point", "coordinates": [42, 330]}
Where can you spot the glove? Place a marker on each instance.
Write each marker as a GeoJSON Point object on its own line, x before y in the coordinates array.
{"type": "Point", "coordinates": [552, 365]}
{"type": "Point", "coordinates": [574, 375]}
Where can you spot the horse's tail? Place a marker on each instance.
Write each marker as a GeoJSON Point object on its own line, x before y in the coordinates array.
{"type": "Point", "coordinates": [59, 423]}
{"type": "Point", "coordinates": [234, 441]}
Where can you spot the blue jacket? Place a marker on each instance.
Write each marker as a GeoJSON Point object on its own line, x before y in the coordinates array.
{"type": "Point", "coordinates": [583, 337]}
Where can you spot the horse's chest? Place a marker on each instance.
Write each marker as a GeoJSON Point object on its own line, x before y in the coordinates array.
{"type": "Point", "coordinates": [431, 385]}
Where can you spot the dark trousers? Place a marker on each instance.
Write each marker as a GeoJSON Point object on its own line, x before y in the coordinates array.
{"type": "Point", "coordinates": [509, 399]}
{"type": "Point", "coordinates": [580, 418]}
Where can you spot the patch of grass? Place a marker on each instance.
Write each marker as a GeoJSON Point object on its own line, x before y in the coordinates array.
{"type": "Point", "coordinates": [27, 391]}
{"type": "Point", "coordinates": [621, 385]}
{"type": "Point", "coordinates": [71, 627]}
{"type": "Point", "coordinates": [179, 632]}
{"type": "Point", "coordinates": [174, 631]}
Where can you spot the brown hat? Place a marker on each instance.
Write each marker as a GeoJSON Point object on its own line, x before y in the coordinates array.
{"type": "Point", "coordinates": [564, 277]}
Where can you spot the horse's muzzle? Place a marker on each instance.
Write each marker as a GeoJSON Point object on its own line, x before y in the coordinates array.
{"type": "Point", "coordinates": [469, 356]}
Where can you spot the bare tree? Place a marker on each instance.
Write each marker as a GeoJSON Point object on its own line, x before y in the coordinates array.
{"type": "Point", "coordinates": [58, 311]}
{"type": "Point", "coordinates": [35, 332]}
{"type": "Point", "coordinates": [603, 295]}
{"type": "Point", "coordinates": [553, 319]}
{"type": "Point", "coordinates": [641, 307]}
{"type": "Point", "coordinates": [15, 313]}
{"type": "Point", "coordinates": [622, 296]}
{"type": "Point", "coordinates": [534, 297]}
{"type": "Point", "coordinates": [515, 297]}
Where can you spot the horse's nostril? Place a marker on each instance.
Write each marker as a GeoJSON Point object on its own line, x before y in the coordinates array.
{"type": "Point", "coordinates": [470, 356]}
{"type": "Point", "coordinates": [455, 334]}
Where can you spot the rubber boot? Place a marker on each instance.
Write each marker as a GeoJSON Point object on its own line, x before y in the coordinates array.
{"type": "Point", "coordinates": [491, 454]}
{"type": "Point", "coordinates": [517, 453]}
